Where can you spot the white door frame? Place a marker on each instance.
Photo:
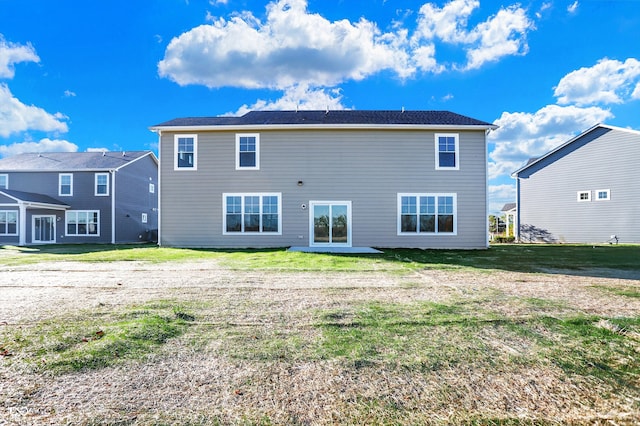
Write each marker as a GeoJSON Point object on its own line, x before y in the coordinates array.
{"type": "Point", "coordinates": [331, 204]}
{"type": "Point", "coordinates": [33, 228]}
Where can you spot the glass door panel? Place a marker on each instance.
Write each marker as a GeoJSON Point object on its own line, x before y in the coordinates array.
{"type": "Point", "coordinates": [330, 223]}
{"type": "Point", "coordinates": [321, 223]}
{"type": "Point", "coordinates": [339, 225]}
{"type": "Point", "coordinates": [44, 229]}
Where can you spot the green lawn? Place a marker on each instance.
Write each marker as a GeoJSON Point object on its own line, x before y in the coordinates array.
{"type": "Point", "coordinates": [510, 257]}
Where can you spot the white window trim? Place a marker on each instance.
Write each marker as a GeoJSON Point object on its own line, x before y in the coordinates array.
{"type": "Point", "coordinates": [175, 152]}
{"type": "Point", "coordinates": [456, 136]}
{"type": "Point", "coordinates": [598, 191]}
{"type": "Point", "coordinates": [6, 180]}
{"type": "Point", "coordinates": [96, 185]}
{"type": "Point", "coordinates": [434, 194]}
{"type": "Point", "coordinates": [7, 234]}
{"type": "Point", "coordinates": [251, 135]}
{"type": "Point", "coordinates": [70, 194]}
{"type": "Point", "coordinates": [66, 223]}
{"type": "Point", "coordinates": [251, 194]}
{"type": "Point", "coordinates": [580, 200]}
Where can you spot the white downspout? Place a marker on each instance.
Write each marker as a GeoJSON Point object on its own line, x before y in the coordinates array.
{"type": "Point", "coordinates": [159, 189]}
{"type": "Point", "coordinates": [113, 206]}
{"type": "Point", "coordinates": [486, 188]}
{"type": "Point", "coordinates": [516, 216]}
{"type": "Point", "coordinates": [22, 208]}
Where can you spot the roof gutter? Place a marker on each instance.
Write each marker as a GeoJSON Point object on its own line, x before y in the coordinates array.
{"type": "Point", "coordinates": [320, 126]}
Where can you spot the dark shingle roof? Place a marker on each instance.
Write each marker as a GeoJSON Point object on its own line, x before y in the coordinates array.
{"type": "Point", "coordinates": [508, 206]}
{"type": "Point", "coordinates": [68, 161]}
{"type": "Point", "coordinates": [333, 117]}
{"type": "Point", "coordinates": [32, 197]}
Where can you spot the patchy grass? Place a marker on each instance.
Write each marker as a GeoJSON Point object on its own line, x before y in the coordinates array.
{"type": "Point", "coordinates": [96, 339]}
{"type": "Point", "coordinates": [511, 257]}
{"type": "Point", "coordinates": [633, 292]}
{"type": "Point", "coordinates": [439, 347]}
{"type": "Point", "coordinates": [423, 336]}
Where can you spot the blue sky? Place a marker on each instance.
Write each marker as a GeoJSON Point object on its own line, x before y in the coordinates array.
{"type": "Point", "coordinates": [80, 75]}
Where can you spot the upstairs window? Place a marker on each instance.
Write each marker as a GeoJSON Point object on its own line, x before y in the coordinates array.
{"type": "Point", "coordinates": [247, 152]}
{"type": "Point", "coordinates": [102, 184]}
{"type": "Point", "coordinates": [427, 214]}
{"type": "Point", "coordinates": [447, 151]}
{"type": "Point", "coordinates": [4, 181]}
{"type": "Point", "coordinates": [65, 184]}
{"type": "Point", "coordinates": [185, 152]}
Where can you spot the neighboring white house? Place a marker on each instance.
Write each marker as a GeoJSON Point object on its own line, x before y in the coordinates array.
{"type": "Point", "coordinates": [324, 180]}
{"type": "Point", "coordinates": [587, 190]}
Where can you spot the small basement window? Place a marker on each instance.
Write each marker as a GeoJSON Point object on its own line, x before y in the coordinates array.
{"type": "Point", "coordinates": [584, 196]}
{"type": "Point", "coordinates": [603, 194]}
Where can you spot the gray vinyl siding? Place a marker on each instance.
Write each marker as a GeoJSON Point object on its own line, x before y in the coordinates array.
{"type": "Point", "coordinates": [601, 159]}
{"type": "Point", "coordinates": [133, 198]}
{"type": "Point", "coordinates": [83, 198]}
{"type": "Point", "coordinates": [368, 168]}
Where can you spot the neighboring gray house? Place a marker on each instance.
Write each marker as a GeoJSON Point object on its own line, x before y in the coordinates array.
{"type": "Point", "coordinates": [324, 180]}
{"type": "Point", "coordinates": [78, 197]}
{"type": "Point", "coordinates": [584, 191]}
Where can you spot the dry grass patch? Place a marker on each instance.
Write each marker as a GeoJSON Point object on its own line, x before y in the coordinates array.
{"type": "Point", "coordinates": [320, 348]}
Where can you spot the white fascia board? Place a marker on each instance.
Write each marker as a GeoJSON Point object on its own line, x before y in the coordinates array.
{"type": "Point", "coordinates": [46, 206]}
{"type": "Point", "coordinates": [258, 127]}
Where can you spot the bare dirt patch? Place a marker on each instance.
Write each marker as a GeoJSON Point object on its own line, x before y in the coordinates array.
{"type": "Point", "coordinates": [206, 384]}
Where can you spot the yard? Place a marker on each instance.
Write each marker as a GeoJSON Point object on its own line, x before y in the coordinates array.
{"type": "Point", "coordinates": [140, 335]}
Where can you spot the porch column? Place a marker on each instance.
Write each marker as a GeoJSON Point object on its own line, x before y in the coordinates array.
{"type": "Point", "coordinates": [22, 221]}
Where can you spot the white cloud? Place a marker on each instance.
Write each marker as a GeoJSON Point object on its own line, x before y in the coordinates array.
{"type": "Point", "coordinates": [69, 94]}
{"type": "Point", "coordinates": [447, 23]}
{"type": "Point", "coordinates": [500, 35]}
{"type": "Point", "coordinates": [292, 46]}
{"type": "Point", "coordinates": [12, 53]}
{"type": "Point", "coordinates": [573, 8]}
{"type": "Point", "coordinates": [499, 195]}
{"type": "Point", "coordinates": [609, 81]}
{"type": "Point", "coordinates": [44, 145]}
{"type": "Point", "coordinates": [636, 92]}
{"type": "Point", "coordinates": [17, 117]}
{"type": "Point", "coordinates": [545, 6]}
{"type": "Point", "coordinates": [298, 97]}
{"type": "Point", "coordinates": [522, 136]}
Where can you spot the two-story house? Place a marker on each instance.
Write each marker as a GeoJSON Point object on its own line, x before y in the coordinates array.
{"type": "Point", "coordinates": [586, 190]}
{"type": "Point", "coordinates": [78, 197]}
{"type": "Point", "coordinates": [324, 180]}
